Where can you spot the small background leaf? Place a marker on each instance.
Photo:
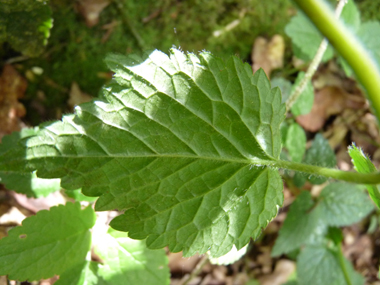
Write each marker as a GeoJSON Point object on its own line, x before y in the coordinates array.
{"type": "Point", "coordinates": [284, 85]}
{"type": "Point", "coordinates": [363, 164]}
{"type": "Point", "coordinates": [351, 15]}
{"type": "Point", "coordinates": [321, 154]}
{"type": "Point", "coordinates": [339, 204]}
{"type": "Point", "coordinates": [305, 101]}
{"type": "Point", "coordinates": [25, 25]}
{"type": "Point", "coordinates": [306, 37]}
{"type": "Point", "coordinates": [343, 204]}
{"type": "Point", "coordinates": [302, 225]}
{"type": "Point", "coordinates": [296, 142]}
{"type": "Point", "coordinates": [47, 244]}
{"type": "Point", "coordinates": [319, 265]}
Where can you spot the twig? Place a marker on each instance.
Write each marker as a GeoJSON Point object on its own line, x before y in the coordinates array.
{"type": "Point", "coordinates": [314, 64]}
{"type": "Point", "coordinates": [187, 278]}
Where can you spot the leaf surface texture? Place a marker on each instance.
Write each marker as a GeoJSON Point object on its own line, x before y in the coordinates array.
{"type": "Point", "coordinates": [175, 141]}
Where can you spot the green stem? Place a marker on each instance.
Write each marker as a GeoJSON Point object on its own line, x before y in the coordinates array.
{"type": "Point", "coordinates": [349, 47]}
{"type": "Point", "coordinates": [343, 266]}
{"type": "Point", "coordinates": [354, 177]}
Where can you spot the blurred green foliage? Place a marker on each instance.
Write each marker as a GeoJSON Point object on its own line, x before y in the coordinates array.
{"type": "Point", "coordinates": [75, 52]}
{"type": "Point", "coordinates": [25, 25]}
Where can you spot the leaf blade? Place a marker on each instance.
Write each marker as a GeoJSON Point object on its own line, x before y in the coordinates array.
{"type": "Point", "coordinates": [42, 246]}
{"type": "Point", "coordinates": [177, 133]}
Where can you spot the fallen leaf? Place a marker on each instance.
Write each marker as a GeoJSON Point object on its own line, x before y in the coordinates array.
{"type": "Point", "coordinates": [91, 9]}
{"type": "Point", "coordinates": [328, 101]}
{"type": "Point", "coordinates": [12, 217]}
{"type": "Point", "coordinates": [76, 96]}
{"type": "Point", "coordinates": [177, 263]}
{"type": "Point", "coordinates": [44, 203]}
{"type": "Point", "coordinates": [284, 268]}
{"type": "Point", "coordinates": [12, 88]}
{"type": "Point", "coordinates": [268, 55]}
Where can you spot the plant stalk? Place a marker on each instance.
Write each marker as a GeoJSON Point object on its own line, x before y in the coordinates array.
{"type": "Point", "coordinates": [349, 47]}
{"type": "Point", "coordinates": [354, 177]}
{"type": "Point", "coordinates": [343, 265]}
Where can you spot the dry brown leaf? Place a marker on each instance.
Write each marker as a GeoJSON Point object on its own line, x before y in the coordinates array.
{"type": "Point", "coordinates": [284, 268]}
{"type": "Point", "coordinates": [91, 9]}
{"type": "Point", "coordinates": [12, 217]}
{"type": "Point", "coordinates": [3, 280]}
{"type": "Point", "coordinates": [12, 88]}
{"type": "Point", "coordinates": [77, 96]}
{"type": "Point", "coordinates": [328, 101]}
{"type": "Point", "coordinates": [177, 263]}
{"type": "Point", "coordinates": [37, 204]}
{"type": "Point", "coordinates": [268, 55]}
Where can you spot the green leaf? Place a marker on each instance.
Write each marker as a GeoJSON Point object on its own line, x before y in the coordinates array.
{"type": "Point", "coordinates": [319, 265]}
{"type": "Point", "coordinates": [25, 183]}
{"type": "Point", "coordinates": [369, 34]}
{"type": "Point", "coordinates": [231, 257]}
{"type": "Point", "coordinates": [343, 204]}
{"type": "Point", "coordinates": [78, 196]}
{"type": "Point", "coordinates": [47, 244]}
{"type": "Point", "coordinates": [305, 101]}
{"type": "Point", "coordinates": [25, 25]}
{"type": "Point", "coordinates": [124, 261]}
{"type": "Point", "coordinates": [284, 85]}
{"type": "Point", "coordinates": [363, 164]}
{"type": "Point", "coordinates": [296, 142]}
{"type": "Point", "coordinates": [81, 274]}
{"type": "Point", "coordinates": [128, 261]}
{"type": "Point", "coordinates": [306, 37]}
{"type": "Point", "coordinates": [351, 15]}
{"type": "Point", "coordinates": [29, 184]}
{"type": "Point", "coordinates": [339, 204]}
{"type": "Point", "coordinates": [177, 143]}
{"type": "Point", "coordinates": [320, 153]}
{"type": "Point", "coordinates": [301, 226]}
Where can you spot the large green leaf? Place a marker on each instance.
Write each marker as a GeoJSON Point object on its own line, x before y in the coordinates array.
{"type": "Point", "coordinates": [25, 24]}
{"type": "Point", "coordinates": [176, 142]}
{"type": "Point", "coordinates": [47, 244]}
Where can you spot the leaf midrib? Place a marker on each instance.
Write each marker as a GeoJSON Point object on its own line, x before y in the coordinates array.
{"type": "Point", "coordinates": [252, 161]}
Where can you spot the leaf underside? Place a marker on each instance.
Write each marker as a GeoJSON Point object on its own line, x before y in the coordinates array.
{"type": "Point", "coordinates": [175, 141]}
